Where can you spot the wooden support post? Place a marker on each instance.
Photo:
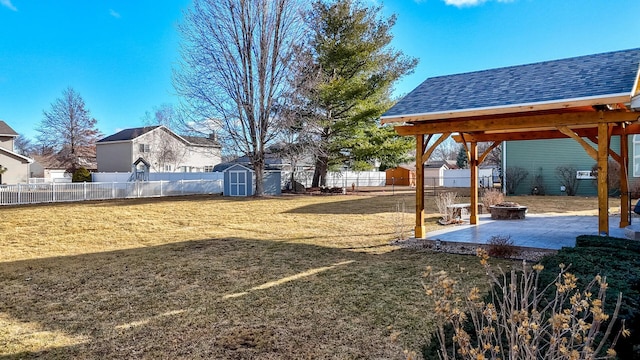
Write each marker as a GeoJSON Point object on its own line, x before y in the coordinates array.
{"type": "Point", "coordinates": [419, 229]}
{"type": "Point", "coordinates": [603, 188]}
{"type": "Point", "coordinates": [473, 166]}
{"type": "Point", "coordinates": [624, 178]}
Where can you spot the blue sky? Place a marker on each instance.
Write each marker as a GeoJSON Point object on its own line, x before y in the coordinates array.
{"type": "Point", "coordinates": [119, 54]}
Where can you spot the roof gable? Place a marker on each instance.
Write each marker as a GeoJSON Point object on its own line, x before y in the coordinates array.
{"type": "Point", "coordinates": [237, 167]}
{"type": "Point", "coordinates": [6, 130]}
{"type": "Point", "coordinates": [22, 158]}
{"type": "Point", "coordinates": [593, 76]}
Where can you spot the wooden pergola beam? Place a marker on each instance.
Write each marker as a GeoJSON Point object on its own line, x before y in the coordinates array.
{"type": "Point", "coordinates": [586, 132]}
{"type": "Point", "coordinates": [588, 148]}
{"type": "Point", "coordinates": [488, 151]}
{"type": "Point", "coordinates": [531, 123]}
{"type": "Point", "coordinates": [524, 108]}
{"type": "Point", "coordinates": [603, 186]}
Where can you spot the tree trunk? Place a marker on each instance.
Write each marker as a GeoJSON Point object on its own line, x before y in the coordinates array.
{"type": "Point", "coordinates": [258, 167]}
{"type": "Point", "coordinates": [320, 172]}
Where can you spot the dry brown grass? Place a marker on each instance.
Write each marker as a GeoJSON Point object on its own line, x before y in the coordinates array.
{"type": "Point", "coordinates": [212, 277]}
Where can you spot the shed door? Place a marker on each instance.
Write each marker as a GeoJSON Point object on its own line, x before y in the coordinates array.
{"type": "Point", "coordinates": [237, 183]}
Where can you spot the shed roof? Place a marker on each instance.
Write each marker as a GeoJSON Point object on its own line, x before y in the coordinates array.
{"type": "Point", "coordinates": [585, 78]}
{"type": "Point", "coordinates": [236, 167]}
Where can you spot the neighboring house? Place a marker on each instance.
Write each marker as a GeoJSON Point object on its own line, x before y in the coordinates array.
{"type": "Point", "coordinates": [434, 172]}
{"type": "Point", "coordinates": [14, 168]}
{"type": "Point", "coordinates": [164, 150]}
{"type": "Point", "coordinates": [49, 169]}
{"type": "Point", "coordinates": [540, 158]}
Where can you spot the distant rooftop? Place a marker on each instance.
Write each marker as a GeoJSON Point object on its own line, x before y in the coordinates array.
{"type": "Point", "coordinates": [128, 134]}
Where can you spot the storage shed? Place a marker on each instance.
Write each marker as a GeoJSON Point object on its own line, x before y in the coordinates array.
{"type": "Point", "coordinates": [238, 181]}
{"type": "Point", "coordinates": [401, 175]}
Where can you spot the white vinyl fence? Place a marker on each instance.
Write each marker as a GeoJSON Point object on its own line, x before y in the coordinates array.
{"type": "Point", "coordinates": [156, 176]}
{"type": "Point", "coordinates": [344, 178]}
{"type": "Point", "coordinates": [59, 192]}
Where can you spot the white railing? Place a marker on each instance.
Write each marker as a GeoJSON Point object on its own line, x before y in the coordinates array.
{"type": "Point", "coordinates": [344, 178]}
{"type": "Point", "coordinates": [59, 192]}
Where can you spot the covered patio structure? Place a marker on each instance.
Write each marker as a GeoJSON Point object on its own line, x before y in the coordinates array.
{"type": "Point", "coordinates": [590, 97]}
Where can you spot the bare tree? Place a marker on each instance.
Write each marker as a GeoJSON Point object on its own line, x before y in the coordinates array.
{"type": "Point", "coordinates": [515, 175]}
{"type": "Point", "coordinates": [568, 178]}
{"type": "Point", "coordinates": [69, 129]}
{"type": "Point", "coordinates": [447, 150]}
{"type": "Point", "coordinates": [236, 62]}
{"type": "Point", "coordinates": [23, 146]}
{"type": "Point", "coordinates": [495, 155]}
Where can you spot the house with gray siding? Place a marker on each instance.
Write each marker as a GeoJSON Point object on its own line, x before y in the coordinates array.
{"type": "Point", "coordinates": [164, 150]}
{"type": "Point", "coordinates": [14, 168]}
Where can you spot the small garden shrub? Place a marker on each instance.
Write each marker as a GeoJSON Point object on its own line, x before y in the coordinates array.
{"type": "Point", "coordinates": [81, 175]}
{"type": "Point", "coordinates": [584, 241]}
{"type": "Point", "coordinates": [491, 197]}
{"type": "Point", "coordinates": [618, 260]}
{"type": "Point", "coordinates": [519, 320]}
{"type": "Point", "coordinates": [567, 176]}
{"type": "Point", "coordinates": [501, 246]}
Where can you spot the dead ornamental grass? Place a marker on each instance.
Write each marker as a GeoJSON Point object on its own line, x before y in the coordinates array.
{"type": "Point", "coordinates": [212, 277]}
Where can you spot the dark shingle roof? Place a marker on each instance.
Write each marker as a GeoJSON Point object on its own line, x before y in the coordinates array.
{"type": "Point", "coordinates": [128, 134]}
{"type": "Point", "coordinates": [6, 130]}
{"type": "Point", "coordinates": [201, 141]}
{"type": "Point", "coordinates": [612, 73]}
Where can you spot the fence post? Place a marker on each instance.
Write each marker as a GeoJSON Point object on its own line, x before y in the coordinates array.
{"type": "Point", "coordinates": [161, 188]}
{"type": "Point", "coordinates": [84, 190]}
{"type": "Point", "coordinates": [19, 190]}
{"type": "Point", "coordinates": [113, 189]}
{"type": "Point", "coordinates": [181, 187]}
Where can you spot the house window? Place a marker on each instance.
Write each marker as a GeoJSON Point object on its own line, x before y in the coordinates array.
{"type": "Point", "coordinates": [208, 168]}
{"type": "Point", "coordinates": [168, 168]}
{"type": "Point", "coordinates": [144, 148]}
{"type": "Point", "coordinates": [636, 155]}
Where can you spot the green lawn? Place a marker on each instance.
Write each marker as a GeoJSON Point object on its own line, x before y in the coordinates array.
{"type": "Point", "coordinates": [212, 277]}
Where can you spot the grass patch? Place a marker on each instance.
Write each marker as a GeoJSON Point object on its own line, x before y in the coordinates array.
{"type": "Point", "coordinates": [213, 277]}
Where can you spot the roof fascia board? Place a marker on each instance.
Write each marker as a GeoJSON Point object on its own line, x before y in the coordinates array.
{"type": "Point", "coordinates": [27, 159]}
{"type": "Point", "coordinates": [636, 84]}
{"type": "Point", "coordinates": [525, 107]}
{"type": "Point", "coordinates": [113, 142]}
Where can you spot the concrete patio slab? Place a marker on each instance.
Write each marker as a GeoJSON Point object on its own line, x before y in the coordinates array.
{"type": "Point", "coordinates": [543, 231]}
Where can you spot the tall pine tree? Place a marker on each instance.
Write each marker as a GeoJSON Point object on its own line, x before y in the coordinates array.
{"type": "Point", "coordinates": [349, 71]}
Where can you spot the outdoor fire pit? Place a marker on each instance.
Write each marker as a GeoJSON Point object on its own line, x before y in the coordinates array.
{"type": "Point", "coordinates": [508, 211]}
